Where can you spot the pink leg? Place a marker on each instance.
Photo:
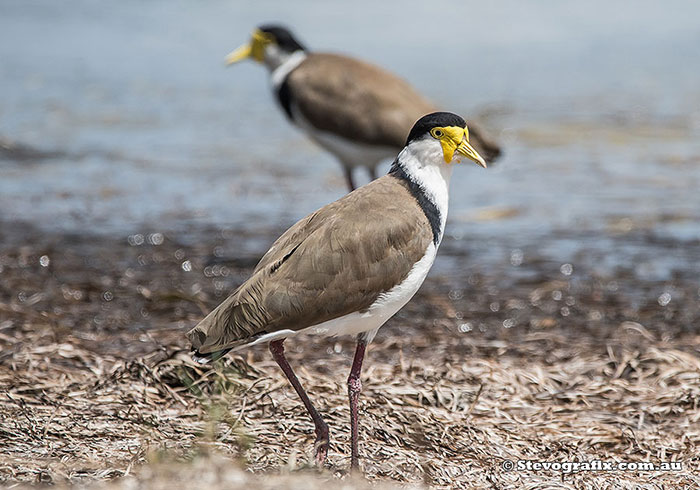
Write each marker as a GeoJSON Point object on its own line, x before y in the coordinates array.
{"type": "Point", "coordinates": [373, 173]}
{"type": "Point", "coordinates": [348, 178]}
{"type": "Point", "coordinates": [354, 388]}
{"type": "Point", "coordinates": [322, 442]}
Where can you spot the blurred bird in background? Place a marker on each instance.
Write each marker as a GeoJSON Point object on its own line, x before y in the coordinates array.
{"type": "Point", "coordinates": [359, 112]}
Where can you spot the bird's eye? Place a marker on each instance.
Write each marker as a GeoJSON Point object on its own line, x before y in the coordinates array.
{"type": "Point", "coordinates": [437, 133]}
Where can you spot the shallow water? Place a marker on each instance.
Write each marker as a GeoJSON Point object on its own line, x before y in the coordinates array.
{"type": "Point", "coordinates": [597, 107]}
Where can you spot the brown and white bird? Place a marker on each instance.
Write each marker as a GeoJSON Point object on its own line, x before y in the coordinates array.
{"type": "Point", "coordinates": [348, 267]}
{"type": "Point", "coordinates": [359, 112]}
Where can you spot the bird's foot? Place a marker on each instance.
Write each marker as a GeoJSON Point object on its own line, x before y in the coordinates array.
{"type": "Point", "coordinates": [355, 464]}
{"type": "Point", "coordinates": [321, 446]}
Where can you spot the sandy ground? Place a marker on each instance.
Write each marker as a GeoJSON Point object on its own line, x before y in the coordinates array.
{"type": "Point", "coordinates": [96, 386]}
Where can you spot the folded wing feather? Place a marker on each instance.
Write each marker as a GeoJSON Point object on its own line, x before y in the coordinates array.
{"type": "Point", "coordinates": [333, 262]}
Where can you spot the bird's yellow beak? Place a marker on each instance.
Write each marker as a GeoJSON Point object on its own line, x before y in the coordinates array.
{"type": "Point", "coordinates": [456, 140]}
{"type": "Point", "coordinates": [254, 49]}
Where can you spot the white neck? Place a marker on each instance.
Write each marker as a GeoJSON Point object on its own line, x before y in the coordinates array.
{"type": "Point", "coordinates": [424, 164]}
{"type": "Point", "coordinates": [281, 63]}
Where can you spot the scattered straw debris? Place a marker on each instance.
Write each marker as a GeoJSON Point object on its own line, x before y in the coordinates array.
{"type": "Point", "coordinates": [107, 405]}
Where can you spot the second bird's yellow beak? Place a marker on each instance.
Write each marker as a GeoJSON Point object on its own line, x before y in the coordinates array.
{"type": "Point", "coordinates": [239, 54]}
{"type": "Point", "coordinates": [254, 49]}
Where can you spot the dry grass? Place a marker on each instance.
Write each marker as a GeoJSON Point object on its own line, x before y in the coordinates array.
{"type": "Point", "coordinates": [70, 414]}
{"type": "Point", "coordinates": [440, 408]}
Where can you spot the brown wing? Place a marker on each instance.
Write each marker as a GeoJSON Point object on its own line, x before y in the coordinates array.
{"type": "Point", "coordinates": [365, 103]}
{"type": "Point", "coordinates": [357, 100]}
{"type": "Point", "coordinates": [331, 263]}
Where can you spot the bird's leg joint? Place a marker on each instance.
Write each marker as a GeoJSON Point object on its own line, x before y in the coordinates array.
{"type": "Point", "coordinates": [276, 349]}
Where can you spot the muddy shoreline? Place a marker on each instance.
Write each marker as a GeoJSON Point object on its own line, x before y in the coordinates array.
{"type": "Point", "coordinates": [89, 286]}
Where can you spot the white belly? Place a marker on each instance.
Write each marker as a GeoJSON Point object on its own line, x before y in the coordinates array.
{"type": "Point", "coordinates": [350, 153]}
{"type": "Point", "coordinates": [373, 317]}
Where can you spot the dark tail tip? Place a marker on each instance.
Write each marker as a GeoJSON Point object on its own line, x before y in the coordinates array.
{"type": "Point", "coordinates": [492, 153]}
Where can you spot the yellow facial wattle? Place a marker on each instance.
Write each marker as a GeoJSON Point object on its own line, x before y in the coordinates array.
{"type": "Point", "coordinates": [455, 139]}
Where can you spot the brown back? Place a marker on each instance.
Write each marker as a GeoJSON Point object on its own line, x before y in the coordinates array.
{"type": "Point", "coordinates": [355, 99]}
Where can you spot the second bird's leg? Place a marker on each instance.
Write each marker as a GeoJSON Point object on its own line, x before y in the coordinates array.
{"type": "Point", "coordinates": [372, 173]}
{"type": "Point", "coordinates": [354, 388]}
{"type": "Point", "coordinates": [348, 178]}
{"type": "Point", "coordinates": [322, 442]}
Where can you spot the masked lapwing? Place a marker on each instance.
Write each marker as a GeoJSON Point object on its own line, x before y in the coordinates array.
{"type": "Point", "coordinates": [359, 112]}
{"type": "Point", "coordinates": [348, 267]}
